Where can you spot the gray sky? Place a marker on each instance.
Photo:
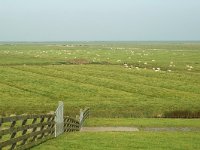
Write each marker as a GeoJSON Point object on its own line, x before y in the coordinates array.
{"type": "Point", "coordinates": [60, 20]}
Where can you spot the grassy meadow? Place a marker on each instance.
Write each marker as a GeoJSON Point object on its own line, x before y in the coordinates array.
{"type": "Point", "coordinates": [114, 79]}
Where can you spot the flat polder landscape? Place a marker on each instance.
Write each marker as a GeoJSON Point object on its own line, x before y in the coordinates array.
{"type": "Point", "coordinates": [140, 84]}
{"type": "Point", "coordinates": [115, 79]}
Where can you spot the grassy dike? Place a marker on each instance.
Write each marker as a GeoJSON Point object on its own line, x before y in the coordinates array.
{"type": "Point", "coordinates": [142, 122]}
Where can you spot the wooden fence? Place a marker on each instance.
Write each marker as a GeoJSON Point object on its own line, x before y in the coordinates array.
{"type": "Point", "coordinates": [22, 132]}
{"type": "Point", "coordinates": [83, 115]}
{"type": "Point", "coordinates": [71, 124]}
{"type": "Point", "coordinates": [25, 131]}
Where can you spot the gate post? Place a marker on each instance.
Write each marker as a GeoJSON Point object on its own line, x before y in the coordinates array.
{"type": "Point", "coordinates": [59, 119]}
{"type": "Point", "coordinates": [81, 117]}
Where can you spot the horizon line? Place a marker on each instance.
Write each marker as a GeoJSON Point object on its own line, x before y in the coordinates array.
{"type": "Point", "coordinates": [51, 41]}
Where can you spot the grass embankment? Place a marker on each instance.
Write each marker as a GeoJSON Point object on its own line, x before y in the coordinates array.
{"type": "Point", "coordinates": [142, 122]}
{"type": "Point", "coordinates": [124, 141]}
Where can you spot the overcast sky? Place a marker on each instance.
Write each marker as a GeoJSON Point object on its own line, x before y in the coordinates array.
{"type": "Point", "coordinates": [93, 20]}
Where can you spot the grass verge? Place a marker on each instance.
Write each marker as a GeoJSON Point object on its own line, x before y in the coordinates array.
{"type": "Point", "coordinates": [141, 122]}
{"type": "Point", "coordinates": [124, 141]}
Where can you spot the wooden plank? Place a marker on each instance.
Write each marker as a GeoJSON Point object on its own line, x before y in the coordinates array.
{"type": "Point", "coordinates": [71, 123]}
{"type": "Point", "coordinates": [46, 129]}
{"type": "Point", "coordinates": [86, 114]}
{"type": "Point", "coordinates": [13, 134]}
{"type": "Point", "coordinates": [29, 145]}
{"type": "Point", "coordinates": [34, 129]}
{"type": "Point", "coordinates": [26, 127]}
{"type": "Point", "coordinates": [71, 128]}
{"type": "Point", "coordinates": [24, 131]}
{"type": "Point", "coordinates": [70, 118]}
{"type": "Point", "coordinates": [75, 124]}
{"type": "Point", "coordinates": [23, 117]}
{"type": "Point", "coordinates": [15, 140]}
{"type": "Point", "coordinates": [86, 110]}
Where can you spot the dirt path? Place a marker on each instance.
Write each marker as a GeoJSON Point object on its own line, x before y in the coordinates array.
{"type": "Point", "coordinates": [134, 129]}
{"type": "Point", "coordinates": [109, 129]}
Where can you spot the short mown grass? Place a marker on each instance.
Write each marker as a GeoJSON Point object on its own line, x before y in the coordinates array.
{"type": "Point", "coordinates": [141, 122]}
{"type": "Point", "coordinates": [119, 80]}
{"type": "Point", "coordinates": [34, 77]}
{"type": "Point", "coordinates": [142, 140]}
{"type": "Point", "coordinates": [124, 141]}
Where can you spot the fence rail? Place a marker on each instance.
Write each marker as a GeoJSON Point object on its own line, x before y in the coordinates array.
{"type": "Point", "coordinates": [25, 131]}
{"type": "Point", "coordinates": [83, 115]}
{"type": "Point", "coordinates": [71, 124]}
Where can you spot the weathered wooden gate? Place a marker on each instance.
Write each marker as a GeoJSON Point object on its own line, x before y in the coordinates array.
{"type": "Point", "coordinates": [26, 131]}
{"type": "Point", "coordinates": [59, 119]}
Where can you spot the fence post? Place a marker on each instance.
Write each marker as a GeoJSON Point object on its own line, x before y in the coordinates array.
{"type": "Point", "coordinates": [59, 119]}
{"type": "Point", "coordinates": [81, 117]}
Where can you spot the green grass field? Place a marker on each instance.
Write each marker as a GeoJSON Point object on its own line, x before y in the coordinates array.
{"type": "Point", "coordinates": [142, 122]}
{"type": "Point", "coordinates": [124, 141]}
{"type": "Point", "coordinates": [34, 77]}
{"type": "Point", "coordinates": [143, 140]}
{"type": "Point", "coordinates": [119, 81]}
